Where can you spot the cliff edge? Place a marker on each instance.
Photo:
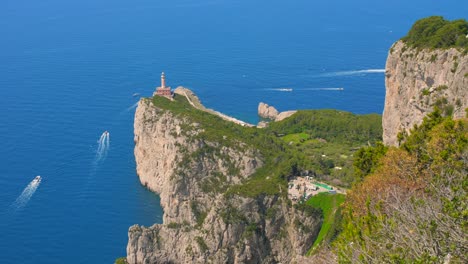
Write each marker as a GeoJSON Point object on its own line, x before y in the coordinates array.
{"type": "Point", "coordinates": [416, 81]}
{"type": "Point", "coordinates": [194, 166]}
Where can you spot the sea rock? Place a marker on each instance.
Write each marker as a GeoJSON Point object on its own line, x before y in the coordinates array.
{"type": "Point", "coordinates": [284, 115]}
{"type": "Point", "coordinates": [266, 111]}
{"type": "Point", "coordinates": [269, 112]}
{"type": "Point", "coordinates": [416, 80]}
{"type": "Point", "coordinates": [201, 224]}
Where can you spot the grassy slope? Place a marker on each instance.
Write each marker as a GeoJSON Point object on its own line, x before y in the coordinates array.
{"type": "Point", "coordinates": [329, 203]}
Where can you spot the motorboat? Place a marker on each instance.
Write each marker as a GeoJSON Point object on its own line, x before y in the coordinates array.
{"type": "Point", "coordinates": [136, 94]}
{"type": "Point", "coordinates": [106, 133]}
{"type": "Point", "coordinates": [37, 179]}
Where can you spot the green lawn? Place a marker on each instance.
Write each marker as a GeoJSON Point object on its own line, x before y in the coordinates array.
{"type": "Point", "coordinates": [296, 138]}
{"type": "Point", "coordinates": [329, 203]}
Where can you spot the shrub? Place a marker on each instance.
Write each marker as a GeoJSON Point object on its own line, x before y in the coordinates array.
{"type": "Point", "coordinates": [436, 32]}
{"type": "Point", "coordinates": [201, 244]}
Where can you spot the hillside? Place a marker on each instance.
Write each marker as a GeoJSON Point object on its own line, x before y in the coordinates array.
{"type": "Point", "coordinates": [223, 185]}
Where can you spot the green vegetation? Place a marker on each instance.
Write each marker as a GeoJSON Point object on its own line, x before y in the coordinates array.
{"type": "Point", "coordinates": [331, 125]}
{"type": "Point", "coordinates": [121, 260]}
{"type": "Point", "coordinates": [367, 159]}
{"type": "Point", "coordinates": [201, 244]}
{"type": "Point", "coordinates": [425, 92]}
{"type": "Point", "coordinates": [174, 225]}
{"type": "Point", "coordinates": [198, 213]}
{"type": "Point", "coordinates": [413, 207]}
{"type": "Point", "coordinates": [329, 204]}
{"type": "Point", "coordinates": [436, 32]}
{"type": "Point", "coordinates": [321, 140]}
{"type": "Point", "coordinates": [279, 161]}
{"type": "Point", "coordinates": [328, 140]}
{"type": "Point", "coordinates": [296, 138]}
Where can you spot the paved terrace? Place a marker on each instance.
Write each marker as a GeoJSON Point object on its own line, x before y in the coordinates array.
{"type": "Point", "coordinates": [305, 186]}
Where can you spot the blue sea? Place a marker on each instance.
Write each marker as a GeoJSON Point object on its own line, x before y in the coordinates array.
{"type": "Point", "coordinates": [69, 70]}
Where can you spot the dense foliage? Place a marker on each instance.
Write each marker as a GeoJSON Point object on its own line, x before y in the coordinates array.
{"type": "Point", "coordinates": [367, 160]}
{"type": "Point", "coordinates": [436, 32]}
{"type": "Point", "coordinates": [413, 208]}
{"type": "Point", "coordinates": [329, 140]}
{"type": "Point", "coordinates": [332, 125]}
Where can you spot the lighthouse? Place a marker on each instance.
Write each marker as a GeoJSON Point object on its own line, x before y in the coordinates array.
{"type": "Point", "coordinates": [163, 90]}
{"type": "Point", "coordinates": [163, 80]}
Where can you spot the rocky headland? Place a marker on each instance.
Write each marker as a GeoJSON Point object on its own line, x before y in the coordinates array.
{"type": "Point", "coordinates": [206, 220]}
{"type": "Point", "coordinates": [416, 81]}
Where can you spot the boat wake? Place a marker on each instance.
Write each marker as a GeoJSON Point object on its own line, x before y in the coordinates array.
{"type": "Point", "coordinates": [279, 89]}
{"type": "Point", "coordinates": [131, 107]}
{"type": "Point", "coordinates": [322, 89]}
{"type": "Point", "coordinates": [305, 89]}
{"type": "Point", "coordinates": [103, 147]}
{"type": "Point", "coordinates": [350, 73]}
{"type": "Point", "coordinates": [27, 193]}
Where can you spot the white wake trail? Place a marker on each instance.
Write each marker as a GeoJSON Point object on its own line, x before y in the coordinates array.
{"type": "Point", "coordinates": [322, 89]}
{"type": "Point", "coordinates": [26, 195]}
{"type": "Point", "coordinates": [103, 147]}
{"type": "Point", "coordinates": [131, 107]}
{"type": "Point", "coordinates": [279, 89]}
{"type": "Point", "coordinates": [107, 142]}
{"type": "Point", "coordinates": [350, 73]}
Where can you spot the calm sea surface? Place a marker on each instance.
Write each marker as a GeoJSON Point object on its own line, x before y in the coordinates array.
{"type": "Point", "coordinates": [68, 70]}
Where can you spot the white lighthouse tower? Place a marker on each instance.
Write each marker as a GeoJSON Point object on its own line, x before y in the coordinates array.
{"type": "Point", "coordinates": [163, 90]}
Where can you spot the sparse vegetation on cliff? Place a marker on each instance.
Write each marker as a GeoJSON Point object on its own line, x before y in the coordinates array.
{"type": "Point", "coordinates": [436, 32]}
{"type": "Point", "coordinates": [324, 139]}
{"type": "Point", "coordinates": [413, 208]}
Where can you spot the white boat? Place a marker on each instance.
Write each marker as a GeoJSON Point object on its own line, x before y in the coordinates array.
{"type": "Point", "coordinates": [37, 179]}
{"type": "Point", "coordinates": [285, 89]}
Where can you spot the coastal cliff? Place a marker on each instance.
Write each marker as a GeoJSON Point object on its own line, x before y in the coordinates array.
{"type": "Point", "coordinates": [416, 81]}
{"type": "Point", "coordinates": [206, 219]}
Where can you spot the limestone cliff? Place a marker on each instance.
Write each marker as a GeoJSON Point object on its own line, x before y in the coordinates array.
{"type": "Point", "coordinates": [202, 223]}
{"type": "Point", "coordinates": [416, 81]}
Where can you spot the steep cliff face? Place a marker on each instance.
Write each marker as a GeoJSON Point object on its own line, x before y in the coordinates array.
{"type": "Point", "coordinates": [418, 80]}
{"type": "Point", "coordinates": [202, 223]}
